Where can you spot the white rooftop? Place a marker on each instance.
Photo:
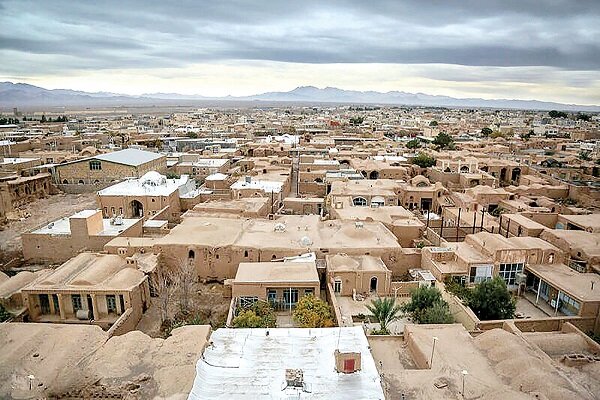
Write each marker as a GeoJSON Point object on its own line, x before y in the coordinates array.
{"type": "Point", "coordinates": [251, 364]}
{"type": "Point", "coordinates": [216, 177]}
{"type": "Point", "coordinates": [150, 184]}
{"type": "Point", "coordinates": [63, 227]}
{"type": "Point", "coordinates": [132, 157]}
{"type": "Point", "coordinates": [267, 186]}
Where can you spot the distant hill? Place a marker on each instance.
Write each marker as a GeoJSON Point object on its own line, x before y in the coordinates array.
{"type": "Point", "coordinates": [25, 95]}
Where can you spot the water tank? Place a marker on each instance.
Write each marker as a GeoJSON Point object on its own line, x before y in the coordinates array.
{"type": "Point", "coordinates": [83, 314]}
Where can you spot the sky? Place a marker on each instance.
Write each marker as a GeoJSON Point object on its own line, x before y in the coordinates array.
{"type": "Point", "coordinates": [526, 49]}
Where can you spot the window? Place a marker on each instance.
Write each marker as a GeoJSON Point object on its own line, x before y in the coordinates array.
{"type": "Point", "coordinates": [56, 305]}
{"type": "Point", "coordinates": [95, 165]}
{"type": "Point", "coordinates": [191, 254]}
{"type": "Point", "coordinates": [480, 273]}
{"type": "Point", "coordinates": [359, 201]}
{"type": "Point", "coordinates": [309, 292]}
{"type": "Point", "coordinates": [245, 253]}
{"type": "Point", "coordinates": [337, 286]}
{"type": "Point", "coordinates": [111, 303]}
{"type": "Point", "coordinates": [290, 296]}
{"type": "Point", "coordinates": [272, 295]}
{"type": "Point", "coordinates": [76, 301]}
{"type": "Point", "coordinates": [122, 301]}
{"type": "Point", "coordinates": [44, 304]}
{"type": "Point", "coordinates": [248, 301]}
{"type": "Point", "coordinates": [567, 304]}
{"type": "Point", "coordinates": [509, 272]}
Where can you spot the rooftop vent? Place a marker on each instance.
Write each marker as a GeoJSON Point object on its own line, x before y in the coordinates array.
{"type": "Point", "coordinates": [359, 224]}
{"type": "Point", "coordinates": [248, 179]}
{"type": "Point", "coordinates": [279, 227]}
{"type": "Point", "coordinates": [294, 378]}
{"type": "Point", "coordinates": [51, 225]}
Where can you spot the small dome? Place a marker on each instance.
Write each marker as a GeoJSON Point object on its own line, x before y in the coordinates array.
{"type": "Point", "coordinates": [153, 178]}
{"type": "Point", "coordinates": [306, 241]}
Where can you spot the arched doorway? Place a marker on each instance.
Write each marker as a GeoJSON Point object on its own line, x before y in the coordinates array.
{"type": "Point", "coordinates": [374, 175]}
{"type": "Point", "coordinates": [137, 209]}
{"type": "Point", "coordinates": [373, 285]}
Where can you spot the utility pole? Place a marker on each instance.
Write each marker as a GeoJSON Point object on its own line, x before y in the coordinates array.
{"type": "Point", "coordinates": [435, 339]}
{"type": "Point", "coordinates": [464, 374]}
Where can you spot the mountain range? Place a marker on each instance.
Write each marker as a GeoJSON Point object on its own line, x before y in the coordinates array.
{"type": "Point", "coordinates": [30, 96]}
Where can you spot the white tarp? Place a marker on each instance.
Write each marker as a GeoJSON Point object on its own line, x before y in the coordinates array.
{"type": "Point", "coordinates": [251, 364]}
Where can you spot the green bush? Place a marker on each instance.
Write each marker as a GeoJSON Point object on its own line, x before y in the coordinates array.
{"type": "Point", "coordinates": [423, 160]}
{"type": "Point", "coordinates": [491, 300]}
{"type": "Point", "coordinates": [312, 312]}
{"type": "Point", "coordinates": [259, 315]}
{"type": "Point", "coordinates": [427, 306]}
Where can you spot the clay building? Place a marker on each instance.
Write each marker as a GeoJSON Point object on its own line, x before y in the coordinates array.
{"type": "Point", "coordinates": [280, 283]}
{"type": "Point", "coordinates": [351, 275]}
{"type": "Point", "coordinates": [110, 167]}
{"type": "Point", "coordinates": [152, 195]}
{"type": "Point", "coordinates": [217, 245]}
{"type": "Point", "coordinates": [86, 230]}
{"type": "Point", "coordinates": [100, 288]}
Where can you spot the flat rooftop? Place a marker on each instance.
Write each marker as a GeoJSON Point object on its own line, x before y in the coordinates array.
{"type": "Point", "coordinates": [273, 272]}
{"type": "Point", "coordinates": [343, 262]}
{"type": "Point", "coordinates": [582, 286]}
{"type": "Point", "coordinates": [151, 184]}
{"type": "Point", "coordinates": [301, 232]}
{"type": "Point", "coordinates": [63, 227]}
{"type": "Point", "coordinates": [249, 363]}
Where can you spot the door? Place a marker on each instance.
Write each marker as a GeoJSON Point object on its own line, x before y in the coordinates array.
{"type": "Point", "coordinates": [44, 304]}
{"type": "Point", "coordinates": [373, 285]}
{"type": "Point", "coordinates": [349, 365]}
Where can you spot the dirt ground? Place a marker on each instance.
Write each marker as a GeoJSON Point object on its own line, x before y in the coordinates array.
{"type": "Point", "coordinates": [207, 303]}
{"type": "Point", "coordinates": [38, 213]}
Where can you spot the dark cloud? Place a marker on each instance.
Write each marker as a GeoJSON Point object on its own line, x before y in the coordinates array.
{"type": "Point", "coordinates": [146, 34]}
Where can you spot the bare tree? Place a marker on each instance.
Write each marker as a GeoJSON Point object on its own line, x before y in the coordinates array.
{"type": "Point", "coordinates": [184, 276]}
{"type": "Point", "coordinates": [187, 277]}
{"type": "Point", "coordinates": [165, 287]}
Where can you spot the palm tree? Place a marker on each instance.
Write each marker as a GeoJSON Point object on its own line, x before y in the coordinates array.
{"type": "Point", "coordinates": [384, 311]}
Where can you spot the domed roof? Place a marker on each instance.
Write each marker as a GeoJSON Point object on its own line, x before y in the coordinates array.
{"type": "Point", "coordinates": [153, 178]}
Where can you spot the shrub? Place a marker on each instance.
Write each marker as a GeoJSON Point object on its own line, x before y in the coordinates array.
{"type": "Point", "coordinates": [384, 311]}
{"type": "Point", "coordinates": [259, 315]}
{"type": "Point", "coordinates": [491, 300]}
{"type": "Point", "coordinates": [312, 312]}
{"type": "Point", "coordinates": [423, 160]}
{"type": "Point", "coordinates": [427, 306]}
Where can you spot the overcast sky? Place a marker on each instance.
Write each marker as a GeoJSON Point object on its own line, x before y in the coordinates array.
{"type": "Point", "coordinates": [538, 49]}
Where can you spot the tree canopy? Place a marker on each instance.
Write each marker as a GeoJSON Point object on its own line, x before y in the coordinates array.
{"type": "Point", "coordinates": [357, 120]}
{"type": "Point", "coordinates": [427, 306]}
{"type": "Point", "coordinates": [384, 311]}
{"type": "Point", "coordinates": [413, 144]}
{"type": "Point", "coordinates": [443, 140]}
{"type": "Point", "coordinates": [423, 160]}
{"type": "Point", "coordinates": [312, 312]}
{"type": "Point", "coordinates": [557, 114]}
{"type": "Point", "coordinates": [491, 300]}
{"type": "Point", "coordinates": [259, 315]}
{"type": "Point", "coordinates": [486, 131]}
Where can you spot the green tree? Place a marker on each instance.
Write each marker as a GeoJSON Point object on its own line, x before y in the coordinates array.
{"type": "Point", "coordinates": [258, 315]}
{"type": "Point", "coordinates": [486, 131]}
{"type": "Point", "coordinates": [4, 315]}
{"type": "Point", "coordinates": [492, 300]}
{"type": "Point", "coordinates": [427, 306]}
{"type": "Point", "coordinates": [423, 160]}
{"type": "Point", "coordinates": [312, 312]}
{"type": "Point", "coordinates": [192, 135]}
{"type": "Point", "coordinates": [355, 121]}
{"type": "Point", "coordinates": [557, 114]}
{"type": "Point", "coordinates": [384, 311]}
{"type": "Point", "coordinates": [585, 155]}
{"type": "Point", "coordinates": [443, 140]}
{"type": "Point", "coordinates": [438, 313]}
{"type": "Point", "coordinates": [44, 118]}
{"type": "Point", "coordinates": [433, 123]}
{"type": "Point", "coordinates": [583, 117]}
{"type": "Point", "coordinates": [413, 144]}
